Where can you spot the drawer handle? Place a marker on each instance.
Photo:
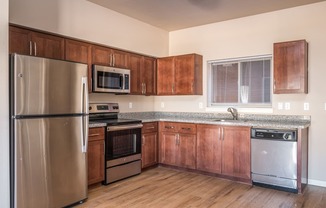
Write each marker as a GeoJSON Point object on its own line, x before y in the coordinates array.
{"type": "Point", "coordinates": [151, 127]}
{"type": "Point", "coordinates": [188, 129]}
{"type": "Point", "coordinates": [94, 135]}
{"type": "Point", "coordinates": [169, 127]}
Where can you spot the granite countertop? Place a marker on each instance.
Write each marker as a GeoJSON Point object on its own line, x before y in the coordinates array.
{"type": "Point", "coordinates": [252, 120]}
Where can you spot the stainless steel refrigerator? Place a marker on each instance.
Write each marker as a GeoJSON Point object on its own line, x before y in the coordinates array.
{"type": "Point", "coordinates": [48, 132]}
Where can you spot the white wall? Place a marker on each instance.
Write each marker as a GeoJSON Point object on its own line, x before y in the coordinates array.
{"type": "Point", "coordinates": [255, 35]}
{"type": "Point", "coordinates": [4, 105]}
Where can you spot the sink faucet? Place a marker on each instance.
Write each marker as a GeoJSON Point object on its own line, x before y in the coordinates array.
{"type": "Point", "coordinates": [234, 113]}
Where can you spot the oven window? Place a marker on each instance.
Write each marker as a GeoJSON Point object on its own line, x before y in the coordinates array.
{"type": "Point", "coordinates": [109, 80]}
{"type": "Point", "coordinates": [123, 143]}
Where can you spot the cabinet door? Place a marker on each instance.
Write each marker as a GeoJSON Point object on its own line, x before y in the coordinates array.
{"type": "Point", "coordinates": [209, 148]}
{"type": "Point", "coordinates": [79, 52]}
{"type": "Point", "coordinates": [236, 151]}
{"type": "Point", "coordinates": [188, 74]}
{"type": "Point", "coordinates": [120, 58]}
{"type": "Point", "coordinates": [47, 46]}
{"type": "Point", "coordinates": [135, 65]}
{"type": "Point", "coordinates": [149, 149]}
{"type": "Point", "coordinates": [186, 150]}
{"type": "Point", "coordinates": [290, 67]}
{"type": "Point", "coordinates": [168, 148]}
{"type": "Point", "coordinates": [19, 41]}
{"type": "Point", "coordinates": [95, 155]}
{"type": "Point", "coordinates": [165, 76]}
{"type": "Point", "coordinates": [101, 55]}
{"type": "Point", "coordinates": [149, 75]}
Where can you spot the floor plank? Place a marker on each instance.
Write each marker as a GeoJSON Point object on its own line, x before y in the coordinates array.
{"type": "Point", "coordinates": [165, 187]}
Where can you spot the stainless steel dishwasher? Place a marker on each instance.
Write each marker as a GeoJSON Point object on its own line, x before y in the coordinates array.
{"type": "Point", "coordinates": [274, 158]}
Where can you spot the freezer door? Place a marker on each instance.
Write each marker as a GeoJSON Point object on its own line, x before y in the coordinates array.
{"type": "Point", "coordinates": [50, 161]}
{"type": "Point", "coordinates": [43, 86]}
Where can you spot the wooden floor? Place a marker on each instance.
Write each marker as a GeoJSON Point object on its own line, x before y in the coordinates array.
{"type": "Point", "coordinates": [165, 187]}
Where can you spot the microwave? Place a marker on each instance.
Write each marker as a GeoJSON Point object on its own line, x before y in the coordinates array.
{"type": "Point", "coordinates": [110, 79]}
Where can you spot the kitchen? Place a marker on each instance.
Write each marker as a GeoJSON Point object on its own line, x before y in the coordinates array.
{"type": "Point", "coordinates": [250, 36]}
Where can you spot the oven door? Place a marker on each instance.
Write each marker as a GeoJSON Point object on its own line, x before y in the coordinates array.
{"type": "Point", "coordinates": [122, 141]}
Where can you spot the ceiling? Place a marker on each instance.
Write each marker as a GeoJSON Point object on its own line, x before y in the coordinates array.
{"type": "Point", "coordinates": [179, 14]}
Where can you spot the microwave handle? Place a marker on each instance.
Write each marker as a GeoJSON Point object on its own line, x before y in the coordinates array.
{"type": "Point", "coordinates": [122, 81]}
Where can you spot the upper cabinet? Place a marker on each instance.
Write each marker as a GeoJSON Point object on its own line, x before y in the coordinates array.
{"type": "Point", "coordinates": [33, 43]}
{"type": "Point", "coordinates": [109, 57]}
{"type": "Point", "coordinates": [180, 75]}
{"type": "Point", "coordinates": [143, 75]}
{"type": "Point", "coordinates": [79, 52]}
{"type": "Point", "coordinates": [290, 67]}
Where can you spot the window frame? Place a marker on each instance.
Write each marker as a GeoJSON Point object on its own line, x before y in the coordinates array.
{"type": "Point", "coordinates": [238, 61]}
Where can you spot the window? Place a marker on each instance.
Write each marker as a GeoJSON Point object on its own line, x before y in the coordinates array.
{"type": "Point", "coordinates": [243, 82]}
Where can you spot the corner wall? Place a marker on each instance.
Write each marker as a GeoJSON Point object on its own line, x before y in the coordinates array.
{"type": "Point", "coordinates": [255, 35]}
{"type": "Point", "coordinates": [4, 105]}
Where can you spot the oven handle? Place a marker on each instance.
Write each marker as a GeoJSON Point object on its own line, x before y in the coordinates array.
{"type": "Point", "coordinates": [124, 127]}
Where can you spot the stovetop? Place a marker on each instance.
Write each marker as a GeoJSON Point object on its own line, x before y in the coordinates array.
{"type": "Point", "coordinates": [108, 113]}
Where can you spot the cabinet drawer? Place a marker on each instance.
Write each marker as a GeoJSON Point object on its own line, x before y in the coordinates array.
{"type": "Point", "coordinates": [149, 127]}
{"type": "Point", "coordinates": [169, 127]}
{"type": "Point", "coordinates": [96, 134]}
{"type": "Point", "coordinates": [187, 128]}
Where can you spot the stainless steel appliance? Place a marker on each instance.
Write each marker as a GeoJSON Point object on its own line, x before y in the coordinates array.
{"type": "Point", "coordinates": [110, 79]}
{"type": "Point", "coordinates": [122, 142]}
{"type": "Point", "coordinates": [48, 132]}
{"type": "Point", "coordinates": [274, 158]}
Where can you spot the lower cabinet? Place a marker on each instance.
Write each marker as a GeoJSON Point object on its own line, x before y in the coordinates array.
{"type": "Point", "coordinates": [95, 155]}
{"type": "Point", "coordinates": [149, 144]}
{"type": "Point", "coordinates": [224, 150]}
{"type": "Point", "coordinates": [177, 145]}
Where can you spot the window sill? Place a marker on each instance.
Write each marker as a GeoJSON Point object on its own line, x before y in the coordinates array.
{"type": "Point", "coordinates": [223, 109]}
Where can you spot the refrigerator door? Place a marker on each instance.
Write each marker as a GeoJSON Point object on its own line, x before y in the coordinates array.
{"type": "Point", "coordinates": [50, 161]}
{"type": "Point", "coordinates": [43, 86]}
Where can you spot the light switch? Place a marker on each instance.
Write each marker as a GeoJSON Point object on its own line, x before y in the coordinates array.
{"type": "Point", "coordinates": [306, 106]}
{"type": "Point", "coordinates": [130, 105]}
{"type": "Point", "coordinates": [200, 105]}
{"type": "Point", "coordinates": [162, 105]}
{"type": "Point", "coordinates": [280, 106]}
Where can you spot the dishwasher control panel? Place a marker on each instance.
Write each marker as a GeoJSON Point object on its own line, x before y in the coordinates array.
{"type": "Point", "coordinates": [274, 134]}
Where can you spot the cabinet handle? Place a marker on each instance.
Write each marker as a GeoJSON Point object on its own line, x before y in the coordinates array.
{"type": "Point", "coordinates": [169, 127]}
{"type": "Point", "coordinates": [144, 88]}
{"type": "Point", "coordinates": [172, 88]}
{"type": "Point", "coordinates": [143, 141]}
{"type": "Point", "coordinates": [113, 60]}
{"type": "Point", "coordinates": [35, 49]}
{"type": "Point", "coordinates": [177, 140]}
{"type": "Point", "coordinates": [184, 128]}
{"type": "Point", "coordinates": [93, 135]}
{"type": "Point", "coordinates": [151, 127]}
{"type": "Point", "coordinates": [223, 134]}
{"type": "Point", "coordinates": [30, 48]}
{"type": "Point", "coordinates": [192, 87]}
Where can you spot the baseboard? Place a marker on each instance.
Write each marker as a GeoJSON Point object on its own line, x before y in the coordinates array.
{"type": "Point", "coordinates": [317, 182]}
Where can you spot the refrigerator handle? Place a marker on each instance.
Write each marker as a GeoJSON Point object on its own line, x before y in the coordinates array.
{"type": "Point", "coordinates": [84, 136]}
{"type": "Point", "coordinates": [84, 95]}
{"type": "Point", "coordinates": [85, 111]}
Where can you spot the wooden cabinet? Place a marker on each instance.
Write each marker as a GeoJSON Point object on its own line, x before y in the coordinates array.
{"type": "Point", "coordinates": [33, 43]}
{"type": "Point", "coordinates": [149, 144]}
{"type": "Point", "coordinates": [290, 67]}
{"type": "Point", "coordinates": [178, 144]}
{"type": "Point", "coordinates": [79, 52]}
{"type": "Point", "coordinates": [224, 150]}
{"type": "Point", "coordinates": [143, 74]}
{"type": "Point", "coordinates": [180, 75]}
{"type": "Point", "coordinates": [95, 155]}
{"type": "Point", "coordinates": [109, 57]}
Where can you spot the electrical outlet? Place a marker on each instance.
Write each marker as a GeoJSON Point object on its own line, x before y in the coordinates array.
{"type": "Point", "coordinates": [306, 106]}
{"type": "Point", "coordinates": [130, 105]}
{"type": "Point", "coordinates": [280, 106]}
{"type": "Point", "coordinates": [287, 106]}
{"type": "Point", "coordinates": [162, 105]}
{"type": "Point", "coordinates": [200, 105]}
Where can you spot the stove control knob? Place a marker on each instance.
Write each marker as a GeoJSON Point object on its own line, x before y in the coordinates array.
{"type": "Point", "coordinates": [287, 136]}
{"type": "Point", "coordinates": [90, 108]}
